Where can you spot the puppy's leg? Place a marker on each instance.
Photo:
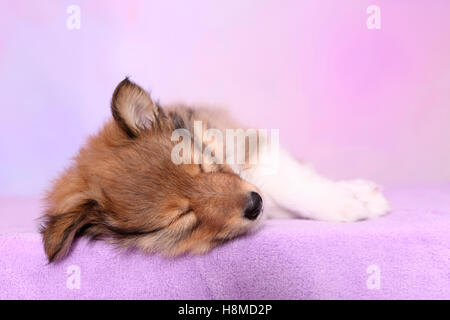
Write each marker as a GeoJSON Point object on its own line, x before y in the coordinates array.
{"type": "Point", "coordinates": [300, 190]}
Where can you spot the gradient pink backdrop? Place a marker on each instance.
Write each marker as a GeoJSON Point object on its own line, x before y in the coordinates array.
{"type": "Point", "coordinates": [355, 102]}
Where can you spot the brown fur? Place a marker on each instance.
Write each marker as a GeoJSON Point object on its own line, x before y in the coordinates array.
{"type": "Point", "coordinates": [123, 186]}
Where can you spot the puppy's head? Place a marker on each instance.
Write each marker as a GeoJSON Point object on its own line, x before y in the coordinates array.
{"type": "Point", "coordinates": [125, 188]}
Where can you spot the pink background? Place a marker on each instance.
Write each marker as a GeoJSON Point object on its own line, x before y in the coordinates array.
{"type": "Point", "coordinates": [355, 102]}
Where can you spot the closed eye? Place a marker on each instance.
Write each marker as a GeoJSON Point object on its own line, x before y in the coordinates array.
{"type": "Point", "coordinates": [214, 167]}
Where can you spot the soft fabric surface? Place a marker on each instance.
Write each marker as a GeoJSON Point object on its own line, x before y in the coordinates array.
{"type": "Point", "coordinates": [287, 259]}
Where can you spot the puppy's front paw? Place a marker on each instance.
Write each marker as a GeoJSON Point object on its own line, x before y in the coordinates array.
{"type": "Point", "coordinates": [344, 201]}
{"type": "Point", "coordinates": [365, 200]}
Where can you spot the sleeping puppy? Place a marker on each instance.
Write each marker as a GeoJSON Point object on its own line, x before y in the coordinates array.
{"type": "Point", "coordinates": [130, 184]}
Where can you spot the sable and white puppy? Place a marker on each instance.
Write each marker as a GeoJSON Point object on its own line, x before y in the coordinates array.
{"type": "Point", "coordinates": [124, 186]}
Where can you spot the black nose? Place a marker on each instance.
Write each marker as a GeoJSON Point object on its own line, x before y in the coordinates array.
{"type": "Point", "coordinates": [254, 206]}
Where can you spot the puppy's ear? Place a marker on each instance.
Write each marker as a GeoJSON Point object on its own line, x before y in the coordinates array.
{"type": "Point", "coordinates": [58, 231]}
{"type": "Point", "coordinates": [132, 108]}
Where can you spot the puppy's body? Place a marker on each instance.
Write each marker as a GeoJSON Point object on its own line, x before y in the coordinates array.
{"type": "Point", "coordinates": [124, 186]}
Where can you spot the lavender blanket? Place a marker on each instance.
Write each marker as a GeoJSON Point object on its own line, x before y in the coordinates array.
{"type": "Point", "coordinates": [403, 255]}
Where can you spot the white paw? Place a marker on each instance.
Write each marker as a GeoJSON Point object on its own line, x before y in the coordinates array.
{"type": "Point", "coordinates": [361, 199]}
{"type": "Point", "coordinates": [343, 201]}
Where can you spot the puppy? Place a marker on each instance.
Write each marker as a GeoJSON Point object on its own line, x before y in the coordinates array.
{"type": "Point", "coordinates": [127, 185]}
